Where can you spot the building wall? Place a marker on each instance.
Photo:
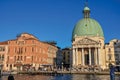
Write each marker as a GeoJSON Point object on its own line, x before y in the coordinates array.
{"type": "Point", "coordinates": [59, 60]}
{"type": "Point", "coordinates": [109, 54]}
{"type": "Point", "coordinates": [52, 51]}
{"type": "Point", "coordinates": [3, 55]}
{"type": "Point", "coordinates": [66, 57]}
{"type": "Point", "coordinates": [28, 50]}
{"type": "Point", "coordinates": [117, 52]}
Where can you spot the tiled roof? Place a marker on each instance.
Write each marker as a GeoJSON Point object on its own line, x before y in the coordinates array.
{"type": "Point", "coordinates": [4, 43]}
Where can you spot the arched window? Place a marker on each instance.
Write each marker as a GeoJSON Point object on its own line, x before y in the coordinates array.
{"type": "Point", "coordinates": [24, 58]}
{"type": "Point", "coordinates": [2, 57]}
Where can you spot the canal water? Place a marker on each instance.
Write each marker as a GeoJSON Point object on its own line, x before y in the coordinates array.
{"type": "Point", "coordinates": [61, 77]}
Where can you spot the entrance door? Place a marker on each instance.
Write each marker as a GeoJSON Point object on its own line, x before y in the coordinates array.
{"type": "Point", "coordinates": [92, 57]}
{"type": "Point", "coordinates": [86, 59]}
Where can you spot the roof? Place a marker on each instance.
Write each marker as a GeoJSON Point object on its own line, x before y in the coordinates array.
{"type": "Point", "coordinates": [87, 26]}
{"type": "Point", "coordinates": [4, 43]}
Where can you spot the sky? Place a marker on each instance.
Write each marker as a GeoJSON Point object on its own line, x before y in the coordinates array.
{"type": "Point", "coordinates": [54, 20]}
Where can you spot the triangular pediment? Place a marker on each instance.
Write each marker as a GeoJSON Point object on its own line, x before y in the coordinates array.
{"type": "Point", "coordinates": [87, 41]}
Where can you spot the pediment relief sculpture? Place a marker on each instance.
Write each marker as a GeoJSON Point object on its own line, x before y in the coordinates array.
{"type": "Point", "coordinates": [87, 41]}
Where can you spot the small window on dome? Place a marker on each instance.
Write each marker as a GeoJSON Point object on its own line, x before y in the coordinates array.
{"type": "Point", "coordinates": [75, 35]}
{"type": "Point", "coordinates": [97, 34]}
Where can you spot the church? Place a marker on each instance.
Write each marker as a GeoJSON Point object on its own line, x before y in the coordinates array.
{"type": "Point", "coordinates": [88, 46]}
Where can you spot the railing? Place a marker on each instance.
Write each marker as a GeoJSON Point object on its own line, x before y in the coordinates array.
{"type": "Point", "coordinates": [90, 68]}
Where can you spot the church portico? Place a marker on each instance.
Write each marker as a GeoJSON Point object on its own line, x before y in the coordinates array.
{"type": "Point", "coordinates": [86, 56]}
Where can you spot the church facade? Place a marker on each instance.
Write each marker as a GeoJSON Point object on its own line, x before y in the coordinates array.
{"type": "Point", "coordinates": [88, 47]}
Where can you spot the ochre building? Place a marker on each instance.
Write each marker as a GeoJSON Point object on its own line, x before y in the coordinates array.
{"type": "Point", "coordinates": [26, 52]}
{"type": "Point", "coordinates": [3, 54]}
{"type": "Point", "coordinates": [88, 47]}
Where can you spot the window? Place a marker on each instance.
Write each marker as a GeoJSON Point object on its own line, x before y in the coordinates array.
{"type": "Point", "coordinates": [14, 58]}
{"type": "Point", "coordinates": [7, 65]}
{"type": "Point", "coordinates": [8, 58]}
{"type": "Point", "coordinates": [2, 57]}
{"type": "Point", "coordinates": [20, 51]}
{"type": "Point", "coordinates": [25, 49]}
{"type": "Point", "coordinates": [24, 58]}
{"type": "Point", "coordinates": [21, 57]}
{"type": "Point", "coordinates": [2, 48]}
{"type": "Point", "coordinates": [32, 58]}
{"type": "Point", "coordinates": [32, 49]}
{"type": "Point", "coordinates": [18, 58]}
{"type": "Point", "coordinates": [109, 50]}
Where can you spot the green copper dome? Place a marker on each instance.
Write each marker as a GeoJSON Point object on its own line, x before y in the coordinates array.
{"type": "Point", "coordinates": [87, 26]}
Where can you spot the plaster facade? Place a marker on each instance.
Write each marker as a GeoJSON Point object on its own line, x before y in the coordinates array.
{"type": "Point", "coordinates": [26, 52]}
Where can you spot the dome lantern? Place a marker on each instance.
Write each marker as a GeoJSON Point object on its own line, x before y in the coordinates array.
{"type": "Point", "coordinates": [86, 10]}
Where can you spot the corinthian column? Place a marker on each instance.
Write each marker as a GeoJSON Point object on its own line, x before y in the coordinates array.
{"type": "Point", "coordinates": [96, 56]}
{"type": "Point", "coordinates": [73, 57]}
{"type": "Point", "coordinates": [83, 57]}
{"type": "Point", "coordinates": [99, 57]}
{"type": "Point", "coordinates": [76, 56]}
{"type": "Point", "coordinates": [89, 56]}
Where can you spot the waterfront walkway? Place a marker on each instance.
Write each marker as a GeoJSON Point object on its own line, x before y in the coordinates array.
{"type": "Point", "coordinates": [66, 72]}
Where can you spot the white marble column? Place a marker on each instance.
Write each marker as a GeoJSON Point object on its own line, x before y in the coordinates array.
{"type": "Point", "coordinates": [76, 56]}
{"type": "Point", "coordinates": [96, 57]}
{"type": "Point", "coordinates": [73, 57]}
{"type": "Point", "coordinates": [83, 62]}
{"type": "Point", "coordinates": [99, 57]}
{"type": "Point", "coordinates": [89, 56]}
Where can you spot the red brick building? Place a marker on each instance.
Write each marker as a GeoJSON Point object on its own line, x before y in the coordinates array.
{"type": "Point", "coordinates": [27, 51]}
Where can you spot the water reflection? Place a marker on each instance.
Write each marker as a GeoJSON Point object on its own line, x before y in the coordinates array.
{"type": "Point", "coordinates": [61, 77]}
{"type": "Point", "coordinates": [90, 77]}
